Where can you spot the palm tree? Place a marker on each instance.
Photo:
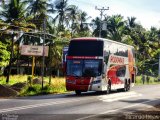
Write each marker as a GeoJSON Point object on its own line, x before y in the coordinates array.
{"type": "Point", "coordinates": [131, 22]}
{"type": "Point", "coordinates": [83, 18]}
{"type": "Point", "coordinates": [39, 9]}
{"type": "Point", "coordinates": [73, 15]}
{"type": "Point", "coordinates": [153, 42]}
{"type": "Point", "coordinates": [116, 27]}
{"type": "Point", "coordinates": [140, 38]}
{"type": "Point", "coordinates": [82, 25]}
{"type": "Point", "coordinates": [13, 14]}
{"type": "Point", "coordinates": [96, 22]}
{"type": "Point", "coordinates": [14, 10]}
{"type": "Point", "coordinates": [60, 7]}
{"type": "Point", "coordinates": [130, 26]}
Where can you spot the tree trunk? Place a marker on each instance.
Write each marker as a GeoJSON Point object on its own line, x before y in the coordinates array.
{"type": "Point", "coordinates": [10, 61]}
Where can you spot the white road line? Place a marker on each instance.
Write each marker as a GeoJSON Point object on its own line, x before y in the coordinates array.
{"type": "Point", "coordinates": [118, 96]}
{"type": "Point", "coordinates": [36, 105]}
{"type": "Point", "coordinates": [121, 98]}
{"type": "Point", "coordinates": [1, 100]}
{"type": "Point", "coordinates": [115, 110]}
{"type": "Point", "coordinates": [114, 96]}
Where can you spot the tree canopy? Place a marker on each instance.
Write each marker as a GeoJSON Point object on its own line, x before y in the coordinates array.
{"type": "Point", "coordinates": [65, 21]}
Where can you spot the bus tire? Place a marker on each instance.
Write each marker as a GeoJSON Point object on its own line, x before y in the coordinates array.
{"type": "Point", "coordinates": [108, 88]}
{"type": "Point", "coordinates": [125, 87]}
{"type": "Point", "coordinates": [78, 92]}
{"type": "Point", "coordinates": [128, 85]}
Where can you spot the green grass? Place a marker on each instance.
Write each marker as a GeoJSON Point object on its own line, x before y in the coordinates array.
{"type": "Point", "coordinates": [152, 80]}
{"type": "Point", "coordinates": [47, 89]}
{"type": "Point", "coordinates": [14, 79]}
{"type": "Point", "coordinates": [57, 85]}
{"type": "Point", "coordinates": [30, 90]}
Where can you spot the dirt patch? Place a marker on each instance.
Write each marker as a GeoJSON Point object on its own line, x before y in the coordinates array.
{"type": "Point", "coordinates": [37, 81]}
{"type": "Point", "coordinates": [6, 91]}
{"type": "Point", "coordinates": [18, 86]}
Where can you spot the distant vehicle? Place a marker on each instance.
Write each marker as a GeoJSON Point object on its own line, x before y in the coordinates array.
{"type": "Point", "coordinates": [98, 64]}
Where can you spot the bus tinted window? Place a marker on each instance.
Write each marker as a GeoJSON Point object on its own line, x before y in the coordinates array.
{"type": "Point", "coordinates": [116, 49]}
{"type": "Point", "coordinates": [85, 48]}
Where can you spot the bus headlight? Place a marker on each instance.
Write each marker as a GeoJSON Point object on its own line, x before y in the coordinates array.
{"type": "Point", "coordinates": [96, 82]}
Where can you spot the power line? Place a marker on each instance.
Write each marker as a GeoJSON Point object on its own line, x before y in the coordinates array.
{"type": "Point", "coordinates": [89, 3]}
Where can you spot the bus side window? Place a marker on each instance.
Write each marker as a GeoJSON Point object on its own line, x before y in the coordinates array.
{"type": "Point", "coordinates": [121, 72]}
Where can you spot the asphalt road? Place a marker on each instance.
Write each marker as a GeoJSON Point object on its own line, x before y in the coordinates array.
{"type": "Point", "coordinates": [87, 106]}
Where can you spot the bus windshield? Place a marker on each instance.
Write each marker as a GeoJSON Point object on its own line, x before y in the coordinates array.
{"type": "Point", "coordinates": [74, 67]}
{"type": "Point", "coordinates": [84, 68]}
{"type": "Point", "coordinates": [85, 48]}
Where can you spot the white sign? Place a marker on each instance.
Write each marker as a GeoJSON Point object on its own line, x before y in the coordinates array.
{"type": "Point", "coordinates": [118, 60]}
{"type": "Point", "coordinates": [34, 50]}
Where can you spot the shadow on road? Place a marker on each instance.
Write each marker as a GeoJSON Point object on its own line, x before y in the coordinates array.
{"type": "Point", "coordinates": [151, 102]}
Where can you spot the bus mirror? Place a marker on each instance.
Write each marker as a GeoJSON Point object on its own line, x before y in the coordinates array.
{"type": "Point", "coordinates": [104, 68]}
{"type": "Point", "coordinates": [103, 71]}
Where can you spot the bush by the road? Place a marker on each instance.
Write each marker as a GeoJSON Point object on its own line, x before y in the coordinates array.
{"type": "Point", "coordinates": [36, 89]}
{"type": "Point", "coordinates": [151, 80]}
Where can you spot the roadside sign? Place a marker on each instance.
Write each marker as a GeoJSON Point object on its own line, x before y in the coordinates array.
{"type": "Point", "coordinates": [33, 50]}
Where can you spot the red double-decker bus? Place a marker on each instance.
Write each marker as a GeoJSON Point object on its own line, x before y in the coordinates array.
{"type": "Point", "coordinates": [98, 64]}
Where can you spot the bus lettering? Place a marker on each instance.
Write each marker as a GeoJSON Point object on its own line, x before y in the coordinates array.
{"type": "Point", "coordinates": [117, 60]}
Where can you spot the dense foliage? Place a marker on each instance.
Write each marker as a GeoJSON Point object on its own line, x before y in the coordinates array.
{"type": "Point", "coordinates": [64, 21]}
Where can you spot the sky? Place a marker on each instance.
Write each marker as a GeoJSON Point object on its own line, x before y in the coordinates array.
{"type": "Point", "coordinates": [147, 12]}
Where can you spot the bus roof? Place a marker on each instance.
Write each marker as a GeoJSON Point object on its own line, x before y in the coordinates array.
{"type": "Point", "coordinates": [101, 39]}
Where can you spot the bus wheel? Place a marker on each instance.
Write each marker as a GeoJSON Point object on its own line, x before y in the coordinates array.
{"type": "Point", "coordinates": [128, 87]}
{"type": "Point", "coordinates": [78, 92]}
{"type": "Point", "coordinates": [108, 88]}
{"type": "Point", "coordinates": [125, 87]}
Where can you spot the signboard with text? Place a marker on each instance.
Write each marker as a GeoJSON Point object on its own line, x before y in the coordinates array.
{"type": "Point", "coordinates": [34, 50]}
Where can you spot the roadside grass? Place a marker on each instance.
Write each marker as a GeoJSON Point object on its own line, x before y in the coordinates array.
{"type": "Point", "coordinates": [152, 80]}
{"type": "Point", "coordinates": [13, 79]}
{"type": "Point", "coordinates": [57, 85]}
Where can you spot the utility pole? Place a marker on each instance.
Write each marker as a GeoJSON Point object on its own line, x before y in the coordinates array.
{"type": "Point", "coordinates": [159, 69]}
{"type": "Point", "coordinates": [11, 58]}
{"type": "Point", "coordinates": [159, 59]}
{"type": "Point", "coordinates": [102, 10]}
{"type": "Point", "coordinates": [44, 30]}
